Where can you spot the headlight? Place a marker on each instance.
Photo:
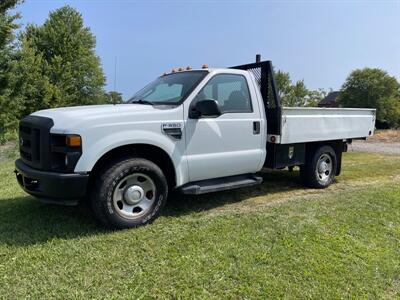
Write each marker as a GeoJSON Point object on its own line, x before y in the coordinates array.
{"type": "Point", "coordinates": [65, 151]}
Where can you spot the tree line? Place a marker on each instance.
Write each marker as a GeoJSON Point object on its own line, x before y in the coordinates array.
{"type": "Point", "coordinates": [55, 64]}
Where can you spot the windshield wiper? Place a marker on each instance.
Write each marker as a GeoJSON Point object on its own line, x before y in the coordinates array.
{"type": "Point", "coordinates": [141, 101]}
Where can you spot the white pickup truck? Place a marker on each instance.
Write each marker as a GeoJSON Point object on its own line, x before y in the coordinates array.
{"type": "Point", "coordinates": [196, 131]}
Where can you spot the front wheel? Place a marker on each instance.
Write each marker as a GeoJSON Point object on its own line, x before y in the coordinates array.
{"type": "Point", "coordinates": [129, 193]}
{"type": "Point", "coordinates": [320, 168]}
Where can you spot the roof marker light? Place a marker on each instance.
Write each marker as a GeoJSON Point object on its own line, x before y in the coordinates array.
{"type": "Point", "coordinates": [205, 66]}
{"type": "Point", "coordinates": [188, 68]}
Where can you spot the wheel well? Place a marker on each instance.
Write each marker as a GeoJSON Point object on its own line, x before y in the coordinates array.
{"type": "Point", "coordinates": [150, 152]}
{"type": "Point", "coordinates": [337, 146]}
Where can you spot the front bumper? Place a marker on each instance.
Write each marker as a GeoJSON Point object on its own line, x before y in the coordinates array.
{"type": "Point", "coordinates": [51, 186]}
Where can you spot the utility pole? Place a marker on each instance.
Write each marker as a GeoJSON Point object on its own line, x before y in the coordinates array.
{"type": "Point", "coordinates": [115, 74]}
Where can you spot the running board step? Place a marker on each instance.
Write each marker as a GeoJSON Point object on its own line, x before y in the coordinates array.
{"type": "Point", "coordinates": [220, 184]}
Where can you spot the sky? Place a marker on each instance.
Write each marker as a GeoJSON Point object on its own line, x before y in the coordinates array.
{"type": "Point", "coordinates": [318, 41]}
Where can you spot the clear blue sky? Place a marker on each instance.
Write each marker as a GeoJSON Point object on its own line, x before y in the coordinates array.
{"type": "Point", "coordinates": [318, 41]}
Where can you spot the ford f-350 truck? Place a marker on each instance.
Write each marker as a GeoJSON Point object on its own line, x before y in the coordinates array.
{"type": "Point", "coordinates": [195, 131]}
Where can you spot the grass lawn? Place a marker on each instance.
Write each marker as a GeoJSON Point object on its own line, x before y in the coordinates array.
{"type": "Point", "coordinates": [274, 240]}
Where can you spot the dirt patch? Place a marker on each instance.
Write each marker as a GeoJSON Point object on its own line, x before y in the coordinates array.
{"type": "Point", "coordinates": [8, 150]}
{"type": "Point", "coordinates": [386, 136]}
{"type": "Point", "coordinates": [386, 147]}
{"type": "Point", "coordinates": [383, 141]}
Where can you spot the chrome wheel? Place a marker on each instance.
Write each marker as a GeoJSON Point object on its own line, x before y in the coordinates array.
{"type": "Point", "coordinates": [324, 168]}
{"type": "Point", "coordinates": [134, 196]}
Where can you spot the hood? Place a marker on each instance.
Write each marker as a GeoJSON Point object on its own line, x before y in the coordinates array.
{"type": "Point", "coordinates": [69, 118]}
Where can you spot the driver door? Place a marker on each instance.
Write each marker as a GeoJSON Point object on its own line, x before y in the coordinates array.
{"type": "Point", "coordinates": [230, 144]}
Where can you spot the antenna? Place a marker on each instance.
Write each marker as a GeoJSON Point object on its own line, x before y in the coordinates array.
{"type": "Point", "coordinates": [115, 73]}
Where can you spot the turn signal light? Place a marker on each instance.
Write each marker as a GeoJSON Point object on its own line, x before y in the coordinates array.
{"type": "Point", "coordinates": [73, 141]}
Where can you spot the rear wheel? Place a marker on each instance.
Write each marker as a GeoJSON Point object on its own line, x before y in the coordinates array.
{"type": "Point", "coordinates": [129, 193]}
{"type": "Point", "coordinates": [320, 168]}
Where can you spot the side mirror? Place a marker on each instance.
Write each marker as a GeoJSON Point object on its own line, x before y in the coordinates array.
{"type": "Point", "coordinates": [205, 108]}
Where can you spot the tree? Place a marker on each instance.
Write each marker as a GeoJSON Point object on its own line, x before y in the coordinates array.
{"type": "Point", "coordinates": [315, 96]}
{"type": "Point", "coordinates": [296, 94]}
{"type": "Point", "coordinates": [7, 23]}
{"type": "Point", "coordinates": [114, 97]}
{"type": "Point", "coordinates": [283, 85]}
{"type": "Point", "coordinates": [373, 88]}
{"type": "Point", "coordinates": [53, 65]}
{"type": "Point", "coordinates": [58, 65]}
{"type": "Point", "coordinates": [31, 86]}
{"type": "Point", "coordinates": [9, 109]}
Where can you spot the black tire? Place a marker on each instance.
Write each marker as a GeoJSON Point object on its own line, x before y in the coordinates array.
{"type": "Point", "coordinates": [111, 212]}
{"type": "Point", "coordinates": [310, 173]}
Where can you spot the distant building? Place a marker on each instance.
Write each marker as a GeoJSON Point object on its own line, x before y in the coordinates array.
{"type": "Point", "coordinates": [331, 100]}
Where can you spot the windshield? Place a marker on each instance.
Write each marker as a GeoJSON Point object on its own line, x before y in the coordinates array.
{"type": "Point", "coordinates": [169, 89]}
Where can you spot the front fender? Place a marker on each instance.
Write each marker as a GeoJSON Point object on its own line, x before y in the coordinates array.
{"type": "Point", "coordinates": [94, 148]}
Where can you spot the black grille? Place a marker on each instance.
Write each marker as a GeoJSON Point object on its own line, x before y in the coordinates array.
{"type": "Point", "coordinates": [34, 141]}
{"type": "Point", "coordinates": [26, 155]}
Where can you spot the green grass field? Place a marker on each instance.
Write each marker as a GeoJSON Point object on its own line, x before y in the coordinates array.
{"type": "Point", "coordinates": [277, 240]}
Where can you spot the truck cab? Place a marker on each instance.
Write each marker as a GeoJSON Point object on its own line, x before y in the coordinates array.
{"type": "Point", "coordinates": [195, 131]}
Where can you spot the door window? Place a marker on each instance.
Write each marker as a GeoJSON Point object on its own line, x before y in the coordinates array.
{"type": "Point", "coordinates": [230, 91]}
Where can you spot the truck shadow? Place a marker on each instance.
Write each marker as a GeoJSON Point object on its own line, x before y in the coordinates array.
{"type": "Point", "coordinates": [276, 181]}
{"type": "Point", "coordinates": [25, 221]}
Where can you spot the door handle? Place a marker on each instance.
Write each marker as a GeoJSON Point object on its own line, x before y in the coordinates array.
{"type": "Point", "coordinates": [256, 127]}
